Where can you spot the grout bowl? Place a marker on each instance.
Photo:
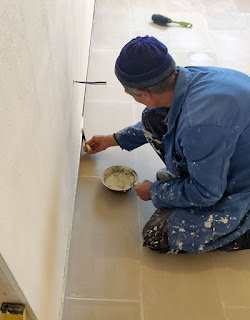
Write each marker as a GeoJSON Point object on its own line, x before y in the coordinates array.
{"type": "Point", "coordinates": [119, 178]}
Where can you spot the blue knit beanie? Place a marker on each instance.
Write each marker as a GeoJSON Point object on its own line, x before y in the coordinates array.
{"type": "Point", "coordinates": [144, 62]}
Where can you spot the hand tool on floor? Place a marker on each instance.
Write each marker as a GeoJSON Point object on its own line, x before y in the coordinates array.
{"type": "Point", "coordinates": [163, 21]}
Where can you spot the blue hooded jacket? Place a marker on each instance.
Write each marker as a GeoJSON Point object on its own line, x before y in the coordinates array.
{"type": "Point", "coordinates": [207, 151]}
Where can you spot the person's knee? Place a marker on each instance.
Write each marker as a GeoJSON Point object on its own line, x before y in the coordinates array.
{"type": "Point", "coordinates": [155, 235]}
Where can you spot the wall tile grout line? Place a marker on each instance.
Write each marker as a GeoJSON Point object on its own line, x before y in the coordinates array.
{"type": "Point", "coordinates": [104, 300]}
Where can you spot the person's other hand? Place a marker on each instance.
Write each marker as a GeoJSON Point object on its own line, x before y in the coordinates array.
{"type": "Point", "coordinates": [143, 190]}
{"type": "Point", "coordinates": [100, 143]}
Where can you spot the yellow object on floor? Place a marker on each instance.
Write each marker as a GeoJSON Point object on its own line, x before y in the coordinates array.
{"type": "Point", "coordinates": [13, 311]}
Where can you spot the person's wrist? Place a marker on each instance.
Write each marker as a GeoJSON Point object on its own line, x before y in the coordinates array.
{"type": "Point", "coordinates": [112, 140]}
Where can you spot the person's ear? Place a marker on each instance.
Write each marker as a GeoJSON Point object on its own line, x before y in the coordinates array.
{"type": "Point", "coordinates": [145, 94]}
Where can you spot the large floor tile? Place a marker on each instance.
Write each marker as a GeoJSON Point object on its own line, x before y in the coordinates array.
{"type": "Point", "coordinates": [232, 49]}
{"type": "Point", "coordinates": [237, 313]}
{"type": "Point", "coordinates": [247, 29]}
{"type": "Point", "coordinates": [94, 165]}
{"type": "Point", "coordinates": [233, 270]}
{"type": "Point", "coordinates": [147, 6]}
{"type": "Point", "coordinates": [182, 6]}
{"type": "Point", "coordinates": [180, 287]}
{"type": "Point", "coordinates": [190, 40]}
{"type": "Point", "coordinates": [225, 21]}
{"type": "Point", "coordinates": [110, 31]}
{"type": "Point", "coordinates": [101, 68]}
{"type": "Point", "coordinates": [195, 18]}
{"type": "Point", "coordinates": [144, 23]}
{"type": "Point", "coordinates": [148, 163]}
{"type": "Point", "coordinates": [112, 6]}
{"type": "Point", "coordinates": [194, 39]}
{"type": "Point", "coordinates": [195, 58]}
{"type": "Point", "coordinates": [101, 310]}
{"type": "Point", "coordinates": [104, 255]}
{"type": "Point", "coordinates": [243, 5]}
{"type": "Point", "coordinates": [218, 6]}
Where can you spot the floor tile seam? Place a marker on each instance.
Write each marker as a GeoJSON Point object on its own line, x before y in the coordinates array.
{"type": "Point", "coordinates": [141, 278]}
{"type": "Point", "coordinates": [109, 101]}
{"type": "Point", "coordinates": [102, 47]}
{"type": "Point", "coordinates": [140, 257]}
{"type": "Point", "coordinates": [205, 10]}
{"type": "Point", "coordinates": [104, 300]}
{"type": "Point", "coordinates": [194, 51]}
{"type": "Point", "coordinates": [89, 177]}
{"type": "Point", "coordinates": [208, 32]}
{"type": "Point", "coordinates": [104, 50]}
{"type": "Point", "coordinates": [236, 307]}
{"type": "Point", "coordinates": [112, 13]}
{"type": "Point", "coordinates": [118, 11]}
{"type": "Point", "coordinates": [171, 40]}
{"type": "Point", "coordinates": [165, 6]}
{"type": "Point", "coordinates": [219, 289]}
{"type": "Point", "coordinates": [130, 18]}
{"type": "Point", "coordinates": [223, 31]}
{"type": "Point", "coordinates": [240, 29]}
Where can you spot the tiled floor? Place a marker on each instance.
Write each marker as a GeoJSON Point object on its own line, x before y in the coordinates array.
{"type": "Point", "coordinates": [110, 275]}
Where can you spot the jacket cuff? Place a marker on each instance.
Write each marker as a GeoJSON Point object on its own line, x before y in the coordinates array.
{"type": "Point", "coordinates": [153, 194]}
{"type": "Point", "coordinates": [117, 140]}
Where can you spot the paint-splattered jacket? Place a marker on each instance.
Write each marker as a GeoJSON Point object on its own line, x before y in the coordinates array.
{"type": "Point", "coordinates": [207, 150]}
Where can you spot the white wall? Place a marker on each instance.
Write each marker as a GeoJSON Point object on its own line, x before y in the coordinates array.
{"type": "Point", "coordinates": [43, 46]}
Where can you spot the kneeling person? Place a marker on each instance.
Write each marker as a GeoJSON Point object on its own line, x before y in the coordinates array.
{"type": "Point", "coordinates": [197, 119]}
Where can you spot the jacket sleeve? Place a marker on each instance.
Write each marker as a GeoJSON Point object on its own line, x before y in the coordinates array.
{"type": "Point", "coordinates": [131, 137]}
{"type": "Point", "coordinates": [207, 150]}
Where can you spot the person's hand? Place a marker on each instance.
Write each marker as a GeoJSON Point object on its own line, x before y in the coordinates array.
{"type": "Point", "coordinates": [143, 190]}
{"type": "Point", "coordinates": [100, 143]}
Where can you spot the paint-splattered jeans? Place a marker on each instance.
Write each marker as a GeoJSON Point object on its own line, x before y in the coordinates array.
{"type": "Point", "coordinates": [155, 232]}
{"type": "Point", "coordinates": [155, 236]}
